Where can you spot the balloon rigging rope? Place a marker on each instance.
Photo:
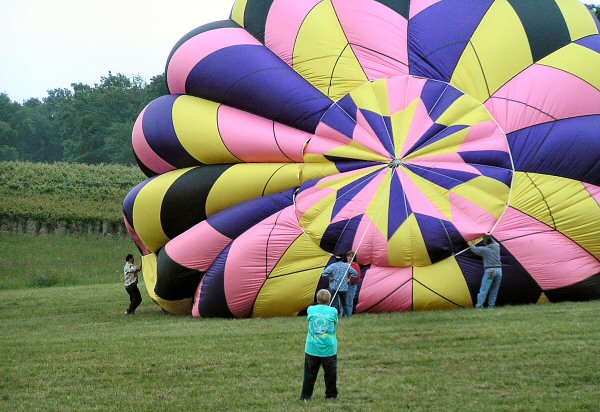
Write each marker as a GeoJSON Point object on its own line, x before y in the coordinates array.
{"type": "Point", "coordinates": [360, 186]}
{"type": "Point", "coordinates": [378, 210]}
{"type": "Point", "coordinates": [510, 192]}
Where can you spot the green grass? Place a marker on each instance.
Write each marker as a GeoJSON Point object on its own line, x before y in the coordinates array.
{"type": "Point", "coordinates": [46, 260]}
{"type": "Point", "coordinates": [66, 348]}
{"type": "Point", "coordinates": [71, 348]}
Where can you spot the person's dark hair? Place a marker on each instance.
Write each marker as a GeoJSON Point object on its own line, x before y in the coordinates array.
{"type": "Point", "coordinates": [487, 239]}
{"type": "Point", "coordinates": [353, 256]}
{"type": "Point", "coordinates": [129, 256]}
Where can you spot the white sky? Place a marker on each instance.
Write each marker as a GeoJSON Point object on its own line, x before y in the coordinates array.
{"type": "Point", "coordinates": [48, 44]}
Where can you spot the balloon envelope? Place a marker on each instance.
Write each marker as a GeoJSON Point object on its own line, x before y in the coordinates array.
{"type": "Point", "coordinates": [401, 130]}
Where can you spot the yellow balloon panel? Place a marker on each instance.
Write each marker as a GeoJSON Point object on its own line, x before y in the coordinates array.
{"type": "Point", "coordinates": [401, 122]}
{"type": "Point", "coordinates": [353, 151]}
{"type": "Point", "coordinates": [447, 145]}
{"type": "Point", "coordinates": [237, 13]}
{"type": "Point", "coordinates": [373, 96]}
{"type": "Point", "coordinates": [464, 111]}
{"type": "Point", "coordinates": [502, 50]}
{"type": "Point", "coordinates": [196, 125]}
{"type": "Point", "coordinates": [439, 286]}
{"type": "Point", "coordinates": [243, 182]}
{"type": "Point", "coordinates": [437, 195]}
{"type": "Point", "coordinates": [149, 270]}
{"type": "Point", "coordinates": [146, 209]}
{"type": "Point", "coordinates": [323, 56]}
{"type": "Point", "coordinates": [560, 203]}
{"type": "Point", "coordinates": [407, 246]}
{"type": "Point", "coordinates": [468, 75]}
{"type": "Point", "coordinates": [316, 220]}
{"type": "Point", "coordinates": [292, 283]}
{"type": "Point", "coordinates": [578, 60]}
{"type": "Point", "coordinates": [313, 171]}
{"type": "Point", "coordinates": [489, 194]}
{"type": "Point", "coordinates": [578, 18]}
{"type": "Point", "coordinates": [377, 210]}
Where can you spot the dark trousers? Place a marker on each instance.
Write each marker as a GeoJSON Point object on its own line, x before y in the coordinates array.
{"type": "Point", "coordinates": [311, 370]}
{"type": "Point", "coordinates": [339, 301]}
{"type": "Point", "coordinates": [135, 298]}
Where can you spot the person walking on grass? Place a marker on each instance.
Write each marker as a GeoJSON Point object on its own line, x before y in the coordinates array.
{"type": "Point", "coordinates": [131, 280]}
{"type": "Point", "coordinates": [321, 347]}
{"type": "Point", "coordinates": [338, 273]}
{"type": "Point", "coordinates": [492, 275]}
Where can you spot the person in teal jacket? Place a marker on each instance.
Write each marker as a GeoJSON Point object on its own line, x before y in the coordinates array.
{"type": "Point", "coordinates": [321, 347]}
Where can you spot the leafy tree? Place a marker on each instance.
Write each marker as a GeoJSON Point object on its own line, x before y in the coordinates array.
{"type": "Point", "coordinates": [156, 88]}
{"type": "Point", "coordinates": [117, 143]}
{"type": "Point", "coordinates": [81, 124]}
{"type": "Point", "coordinates": [9, 115]}
{"type": "Point", "coordinates": [8, 108]}
{"type": "Point", "coordinates": [90, 117]}
{"type": "Point", "coordinates": [594, 9]}
{"type": "Point", "coordinates": [35, 141]}
{"type": "Point", "coordinates": [7, 151]}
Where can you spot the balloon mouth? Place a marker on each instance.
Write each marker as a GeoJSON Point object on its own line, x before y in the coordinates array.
{"type": "Point", "coordinates": [415, 169]}
{"type": "Point", "coordinates": [395, 163]}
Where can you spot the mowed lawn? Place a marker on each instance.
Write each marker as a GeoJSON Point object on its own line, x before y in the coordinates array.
{"type": "Point", "coordinates": [72, 348]}
{"type": "Point", "coordinates": [46, 260]}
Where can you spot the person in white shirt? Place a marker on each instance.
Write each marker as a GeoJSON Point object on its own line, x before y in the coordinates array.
{"type": "Point", "coordinates": [131, 280]}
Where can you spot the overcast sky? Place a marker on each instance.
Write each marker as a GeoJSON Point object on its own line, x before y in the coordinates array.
{"type": "Point", "coordinates": [49, 44]}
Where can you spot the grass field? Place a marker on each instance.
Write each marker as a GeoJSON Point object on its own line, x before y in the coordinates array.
{"type": "Point", "coordinates": [71, 348]}
{"type": "Point", "coordinates": [46, 260]}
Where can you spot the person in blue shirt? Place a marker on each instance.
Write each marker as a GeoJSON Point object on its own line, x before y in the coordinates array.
{"type": "Point", "coordinates": [321, 347]}
{"type": "Point", "coordinates": [492, 275]}
{"type": "Point", "coordinates": [338, 274]}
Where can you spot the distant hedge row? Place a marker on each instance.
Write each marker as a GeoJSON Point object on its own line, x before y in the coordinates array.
{"type": "Point", "coordinates": [65, 192]}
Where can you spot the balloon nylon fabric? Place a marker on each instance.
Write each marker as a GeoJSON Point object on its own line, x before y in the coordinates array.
{"type": "Point", "coordinates": [298, 130]}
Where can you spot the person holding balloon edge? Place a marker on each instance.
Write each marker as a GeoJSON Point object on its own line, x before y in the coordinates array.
{"type": "Point", "coordinates": [492, 275]}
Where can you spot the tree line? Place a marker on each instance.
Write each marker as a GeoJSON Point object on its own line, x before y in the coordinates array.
{"type": "Point", "coordinates": [594, 9]}
{"type": "Point", "coordinates": [81, 124]}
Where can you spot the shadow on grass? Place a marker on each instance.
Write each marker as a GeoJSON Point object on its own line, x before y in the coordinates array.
{"type": "Point", "coordinates": [39, 280]}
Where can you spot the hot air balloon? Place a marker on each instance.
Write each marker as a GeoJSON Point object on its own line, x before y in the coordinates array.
{"type": "Point", "coordinates": [301, 129]}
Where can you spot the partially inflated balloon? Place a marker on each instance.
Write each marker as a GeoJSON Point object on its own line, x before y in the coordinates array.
{"type": "Point", "coordinates": [298, 129]}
